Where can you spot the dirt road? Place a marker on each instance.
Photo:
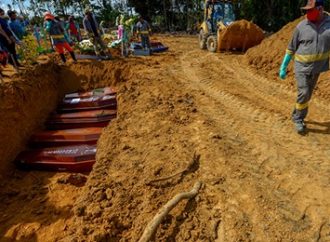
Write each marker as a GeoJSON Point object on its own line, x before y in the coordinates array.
{"type": "Point", "coordinates": [261, 181]}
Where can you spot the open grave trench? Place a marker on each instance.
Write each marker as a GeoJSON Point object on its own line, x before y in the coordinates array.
{"type": "Point", "coordinates": [37, 204]}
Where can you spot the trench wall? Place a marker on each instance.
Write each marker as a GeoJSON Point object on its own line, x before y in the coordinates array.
{"type": "Point", "coordinates": [25, 103]}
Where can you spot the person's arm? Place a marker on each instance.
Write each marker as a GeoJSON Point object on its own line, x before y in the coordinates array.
{"type": "Point", "coordinates": [12, 27]}
{"type": "Point", "coordinates": [138, 28]}
{"type": "Point", "coordinates": [96, 23]}
{"type": "Point", "coordinates": [9, 33]}
{"type": "Point", "coordinates": [85, 25]}
{"type": "Point", "coordinates": [4, 34]}
{"type": "Point", "coordinates": [48, 25]}
{"type": "Point", "coordinates": [289, 53]}
{"type": "Point", "coordinates": [67, 26]}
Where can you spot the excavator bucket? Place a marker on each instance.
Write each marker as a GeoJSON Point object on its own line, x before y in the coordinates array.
{"type": "Point", "coordinates": [240, 35]}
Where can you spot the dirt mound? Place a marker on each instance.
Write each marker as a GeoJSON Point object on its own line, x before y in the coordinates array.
{"type": "Point", "coordinates": [267, 58]}
{"type": "Point", "coordinates": [156, 109]}
{"type": "Point", "coordinates": [111, 210]}
{"type": "Point", "coordinates": [240, 35]}
{"type": "Point", "coordinates": [94, 74]}
{"type": "Point", "coordinates": [269, 54]}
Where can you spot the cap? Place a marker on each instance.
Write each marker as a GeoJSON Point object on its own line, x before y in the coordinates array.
{"type": "Point", "coordinates": [312, 4]}
{"type": "Point", "coordinates": [49, 16]}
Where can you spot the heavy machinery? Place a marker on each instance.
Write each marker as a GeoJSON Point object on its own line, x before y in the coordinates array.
{"type": "Point", "coordinates": [220, 31]}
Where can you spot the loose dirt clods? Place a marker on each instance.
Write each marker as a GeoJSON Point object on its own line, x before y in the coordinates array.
{"type": "Point", "coordinates": [261, 182]}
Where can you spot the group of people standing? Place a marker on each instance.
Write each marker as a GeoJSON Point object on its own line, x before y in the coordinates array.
{"type": "Point", "coordinates": [62, 35]}
{"type": "Point", "coordinates": [12, 31]}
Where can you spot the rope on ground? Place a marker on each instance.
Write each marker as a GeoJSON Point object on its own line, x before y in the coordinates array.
{"type": "Point", "coordinates": [152, 226]}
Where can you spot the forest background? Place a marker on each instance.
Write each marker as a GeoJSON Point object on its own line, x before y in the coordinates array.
{"type": "Point", "coordinates": [166, 15]}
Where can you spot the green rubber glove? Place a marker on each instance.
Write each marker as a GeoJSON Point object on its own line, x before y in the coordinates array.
{"type": "Point", "coordinates": [48, 26]}
{"type": "Point", "coordinates": [286, 60]}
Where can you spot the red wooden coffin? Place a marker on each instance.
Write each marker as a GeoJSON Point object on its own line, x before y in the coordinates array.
{"type": "Point", "coordinates": [62, 126]}
{"type": "Point", "coordinates": [61, 154]}
{"type": "Point", "coordinates": [70, 158]}
{"type": "Point", "coordinates": [67, 137]}
{"type": "Point", "coordinates": [96, 92]}
{"type": "Point", "coordinates": [84, 116]}
{"type": "Point", "coordinates": [83, 166]}
{"type": "Point", "coordinates": [93, 118]}
{"type": "Point", "coordinates": [89, 103]}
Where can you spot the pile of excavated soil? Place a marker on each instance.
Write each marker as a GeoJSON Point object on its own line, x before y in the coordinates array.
{"type": "Point", "coordinates": [240, 35]}
{"type": "Point", "coordinates": [92, 74]}
{"type": "Point", "coordinates": [253, 166]}
{"type": "Point", "coordinates": [118, 200]}
{"type": "Point", "coordinates": [147, 141]}
{"type": "Point", "coordinates": [267, 57]}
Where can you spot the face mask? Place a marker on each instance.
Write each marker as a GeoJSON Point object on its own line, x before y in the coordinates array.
{"type": "Point", "coordinates": [313, 14]}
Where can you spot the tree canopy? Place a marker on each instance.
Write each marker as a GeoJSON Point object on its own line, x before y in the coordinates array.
{"type": "Point", "coordinates": [270, 15]}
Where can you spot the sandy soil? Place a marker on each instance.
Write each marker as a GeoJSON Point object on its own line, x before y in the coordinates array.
{"type": "Point", "coordinates": [25, 101]}
{"type": "Point", "coordinates": [261, 181]}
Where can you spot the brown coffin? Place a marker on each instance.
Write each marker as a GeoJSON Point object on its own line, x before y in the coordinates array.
{"type": "Point", "coordinates": [61, 154]}
{"type": "Point", "coordinates": [67, 137]}
{"type": "Point", "coordinates": [92, 115]}
{"type": "Point", "coordinates": [89, 103]}
{"type": "Point", "coordinates": [96, 92]}
{"type": "Point", "coordinates": [57, 126]}
{"type": "Point", "coordinates": [78, 158]}
{"type": "Point", "coordinates": [93, 118]}
{"type": "Point", "coordinates": [83, 166]}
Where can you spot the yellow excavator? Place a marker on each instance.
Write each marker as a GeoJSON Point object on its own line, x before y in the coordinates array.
{"type": "Point", "coordinates": [220, 30]}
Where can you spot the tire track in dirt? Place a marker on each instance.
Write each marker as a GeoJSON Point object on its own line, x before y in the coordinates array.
{"type": "Point", "coordinates": [262, 125]}
{"type": "Point", "coordinates": [250, 108]}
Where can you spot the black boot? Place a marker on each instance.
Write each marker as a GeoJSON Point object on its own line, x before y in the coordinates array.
{"type": "Point", "coordinates": [63, 58]}
{"type": "Point", "coordinates": [73, 56]}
